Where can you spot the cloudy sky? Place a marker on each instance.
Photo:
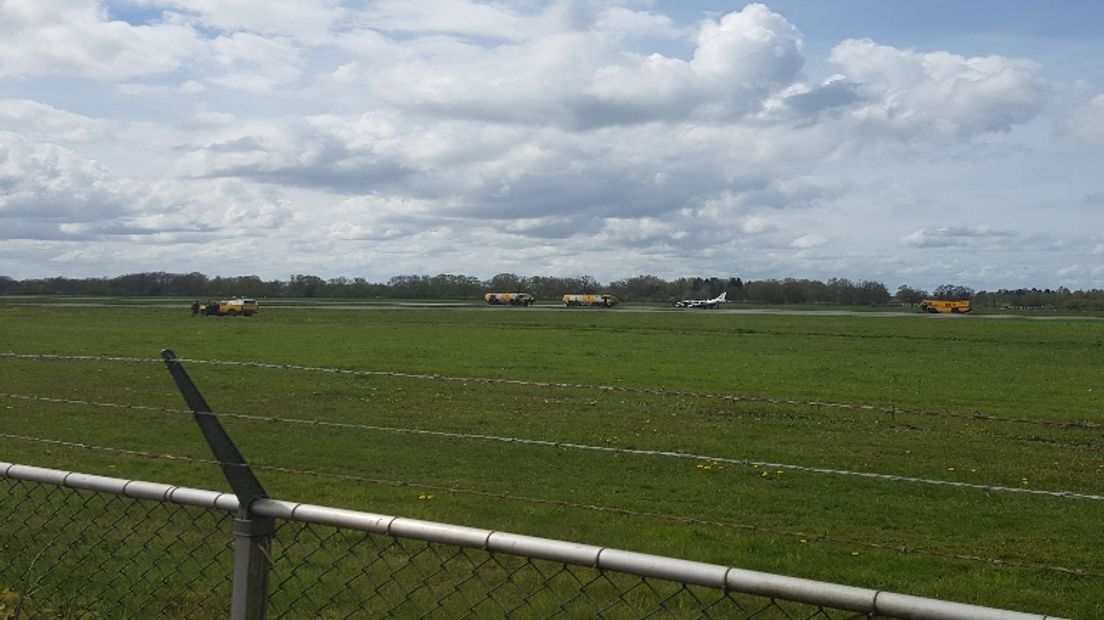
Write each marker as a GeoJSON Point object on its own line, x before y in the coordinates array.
{"type": "Point", "coordinates": [910, 142]}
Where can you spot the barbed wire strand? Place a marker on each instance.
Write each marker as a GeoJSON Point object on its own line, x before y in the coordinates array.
{"type": "Point", "coordinates": [891, 410]}
{"type": "Point", "coordinates": [591, 448]}
{"type": "Point", "coordinates": [802, 536]}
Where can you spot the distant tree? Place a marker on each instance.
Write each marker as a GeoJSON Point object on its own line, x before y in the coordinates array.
{"type": "Point", "coordinates": [872, 293]}
{"type": "Point", "coordinates": [843, 291]}
{"type": "Point", "coordinates": [452, 286]}
{"type": "Point", "coordinates": [253, 286]}
{"type": "Point", "coordinates": [187, 285]}
{"type": "Point", "coordinates": [641, 288]}
{"type": "Point", "coordinates": [802, 291]}
{"type": "Point", "coordinates": [299, 286]}
{"type": "Point", "coordinates": [589, 285]}
{"type": "Point", "coordinates": [764, 291]}
{"type": "Point", "coordinates": [735, 288]}
{"type": "Point", "coordinates": [363, 288]}
{"type": "Point", "coordinates": [908, 295]}
{"type": "Point", "coordinates": [638, 288]}
{"type": "Point", "coordinates": [953, 291]}
{"type": "Point", "coordinates": [546, 287]}
{"type": "Point", "coordinates": [715, 286]}
{"type": "Point", "coordinates": [506, 283]}
{"type": "Point", "coordinates": [150, 284]}
{"type": "Point", "coordinates": [686, 288]}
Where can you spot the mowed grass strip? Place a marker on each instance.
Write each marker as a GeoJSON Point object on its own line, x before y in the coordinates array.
{"type": "Point", "coordinates": [1002, 549]}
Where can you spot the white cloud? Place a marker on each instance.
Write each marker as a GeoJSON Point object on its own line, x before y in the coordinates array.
{"type": "Point", "coordinates": [45, 185]}
{"type": "Point", "coordinates": [75, 38]}
{"type": "Point", "coordinates": [573, 75]}
{"type": "Point", "coordinates": [808, 241]}
{"type": "Point", "coordinates": [1087, 122]}
{"type": "Point", "coordinates": [51, 192]}
{"type": "Point", "coordinates": [446, 16]}
{"type": "Point", "coordinates": [254, 63]}
{"type": "Point", "coordinates": [190, 87]}
{"type": "Point", "coordinates": [632, 232]}
{"type": "Point", "coordinates": [568, 135]}
{"type": "Point", "coordinates": [917, 92]}
{"type": "Point", "coordinates": [308, 20]}
{"type": "Point", "coordinates": [951, 236]}
{"type": "Point", "coordinates": [49, 124]}
{"type": "Point", "coordinates": [355, 232]}
{"type": "Point", "coordinates": [753, 50]}
{"type": "Point", "coordinates": [757, 226]}
{"type": "Point", "coordinates": [624, 22]}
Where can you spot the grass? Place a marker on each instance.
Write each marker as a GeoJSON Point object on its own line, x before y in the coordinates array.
{"type": "Point", "coordinates": [1006, 403]}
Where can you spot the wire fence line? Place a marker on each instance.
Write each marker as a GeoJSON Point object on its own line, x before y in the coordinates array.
{"type": "Point", "coordinates": [771, 608]}
{"type": "Point", "coordinates": [369, 427]}
{"type": "Point", "coordinates": [81, 545]}
{"type": "Point", "coordinates": [565, 445]}
{"type": "Point", "coordinates": [319, 422]}
{"type": "Point", "coordinates": [860, 407]}
{"type": "Point", "coordinates": [898, 548]}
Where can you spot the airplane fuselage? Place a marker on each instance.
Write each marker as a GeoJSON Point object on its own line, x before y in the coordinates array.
{"type": "Point", "coordinates": [704, 304]}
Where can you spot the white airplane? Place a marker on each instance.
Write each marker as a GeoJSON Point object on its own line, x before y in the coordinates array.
{"type": "Point", "coordinates": [701, 303]}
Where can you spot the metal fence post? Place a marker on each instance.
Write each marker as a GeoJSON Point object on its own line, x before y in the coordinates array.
{"type": "Point", "coordinates": [252, 542]}
{"type": "Point", "coordinates": [252, 533]}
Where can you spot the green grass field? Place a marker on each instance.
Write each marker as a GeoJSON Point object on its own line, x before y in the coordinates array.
{"type": "Point", "coordinates": [757, 406]}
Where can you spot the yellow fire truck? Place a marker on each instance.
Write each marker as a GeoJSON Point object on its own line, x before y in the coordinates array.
{"type": "Point", "coordinates": [945, 306]}
{"type": "Point", "coordinates": [230, 307]}
{"type": "Point", "coordinates": [509, 299]}
{"type": "Point", "coordinates": [590, 301]}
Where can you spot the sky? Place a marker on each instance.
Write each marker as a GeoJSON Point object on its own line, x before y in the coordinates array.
{"type": "Point", "coordinates": [909, 142]}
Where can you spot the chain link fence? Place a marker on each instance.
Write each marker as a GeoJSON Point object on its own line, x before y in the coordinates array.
{"type": "Point", "coordinates": [338, 574]}
{"type": "Point", "coordinates": [78, 546]}
{"type": "Point", "coordinates": [66, 553]}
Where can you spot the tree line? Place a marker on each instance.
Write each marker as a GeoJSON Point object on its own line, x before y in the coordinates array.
{"type": "Point", "coordinates": [840, 291]}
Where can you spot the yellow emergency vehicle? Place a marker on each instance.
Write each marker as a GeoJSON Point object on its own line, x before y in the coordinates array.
{"type": "Point", "coordinates": [945, 306]}
{"type": "Point", "coordinates": [590, 301]}
{"type": "Point", "coordinates": [509, 299]}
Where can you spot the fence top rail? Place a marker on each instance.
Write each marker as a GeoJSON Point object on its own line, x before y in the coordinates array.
{"type": "Point", "coordinates": [716, 576]}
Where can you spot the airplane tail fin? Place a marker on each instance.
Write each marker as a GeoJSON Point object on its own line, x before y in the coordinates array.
{"type": "Point", "coordinates": [723, 296]}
